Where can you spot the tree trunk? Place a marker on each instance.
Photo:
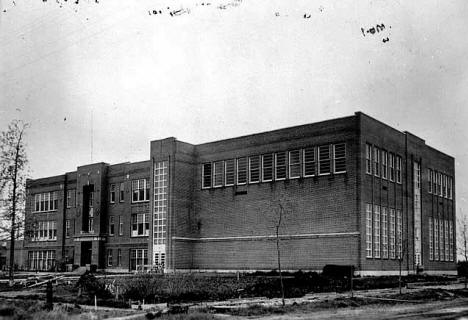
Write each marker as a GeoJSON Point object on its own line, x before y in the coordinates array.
{"type": "Point", "coordinates": [279, 264]}
{"type": "Point", "coordinates": [13, 215]}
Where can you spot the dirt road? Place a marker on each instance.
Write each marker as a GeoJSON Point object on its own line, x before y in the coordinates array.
{"type": "Point", "coordinates": [453, 309]}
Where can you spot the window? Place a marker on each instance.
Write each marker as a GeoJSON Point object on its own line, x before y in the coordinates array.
{"type": "Point", "coordinates": [436, 239]}
{"type": "Point", "coordinates": [119, 257]}
{"type": "Point", "coordinates": [140, 224]}
{"type": "Point", "coordinates": [434, 182]}
{"type": "Point", "coordinates": [230, 172]}
{"type": "Point", "coordinates": [140, 190]}
{"type": "Point", "coordinates": [160, 199]}
{"type": "Point", "coordinates": [41, 260]}
{"type": "Point", "coordinates": [399, 228]}
{"type": "Point", "coordinates": [368, 158]}
{"type": "Point", "coordinates": [70, 198]}
{"type": "Point", "coordinates": [309, 162]}
{"type": "Point", "coordinates": [444, 186]}
{"type": "Point", "coordinates": [441, 240]}
{"type": "Point", "coordinates": [324, 160]}
{"type": "Point", "coordinates": [384, 164]}
{"type": "Point", "coordinates": [376, 161]}
{"type": "Point", "coordinates": [242, 170]}
{"type": "Point", "coordinates": [267, 167]}
{"type": "Point", "coordinates": [254, 169]}
{"type": "Point", "coordinates": [429, 179]}
{"type": "Point", "coordinates": [112, 193]}
{"type": "Point", "coordinates": [46, 201]}
{"type": "Point", "coordinates": [376, 231]}
{"type": "Point", "coordinates": [451, 240]}
{"type": "Point", "coordinates": [111, 225]}
{"type": "Point", "coordinates": [449, 187]}
{"type": "Point", "coordinates": [218, 173]}
{"type": "Point", "coordinates": [280, 166]}
{"type": "Point", "coordinates": [439, 184]}
{"type": "Point", "coordinates": [45, 231]}
{"type": "Point", "coordinates": [294, 164]}
{"type": "Point", "coordinates": [120, 226]}
{"type": "Point", "coordinates": [368, 230]}
{"type": "Point", "coordinates": [392, 233]}
{"type": "Point", "coordinates": [122, 192]}
{"type": "Point", "coordinates": [431, 240]}
{"type": "Point", "coordinates": [138, 259]}
{"type": "Point", "coordinates": [384, 233]}
{"type": "Point", "coordinates": [398, 169]}
{"type": "Point", "coordinates": [339, 158]}
{"type": "Point", "coordinates": [446, 240]}
{"type": "Point", "coordinates": [67, 228]}
{"type": "Point", "coordinates": [206, 174]}
{"type": "Point", "coordinates": [109, 257]}
{"type": "Point", "coordinates": [391, 167]}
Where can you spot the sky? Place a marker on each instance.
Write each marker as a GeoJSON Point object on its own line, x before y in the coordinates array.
{"type": "Point", "coordinates": [97, 80]}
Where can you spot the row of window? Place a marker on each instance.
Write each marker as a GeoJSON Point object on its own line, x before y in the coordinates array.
{"type": "Point", "coordinates": [41, 259]}
{"type": "Point", "coordinates": [140, 191]}
{"type": "Point", "coordinates": [384, 232]}
{"type": "Point", "coordinates": [382, 163]}
{"type": "Point", "coordinates": [46, 201]}
{"type": "Point", "coordinates": [440, 184]}
{"type": "Point", "coordinates": [307, 162]}
{"type": "Point", "coordinates": [138, 259]}
{"type": "Point", "coordinates": [45, 231]}
{"type": "Point", "coordinates": [440, 240]}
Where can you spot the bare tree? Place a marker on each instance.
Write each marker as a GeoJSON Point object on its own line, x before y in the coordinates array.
{"type": "Point", "coordinates": [282, 208]}
{"type": "Point", "coordinates": [462, 244]}
{"type": "Point", "coordinates": [13, 166]}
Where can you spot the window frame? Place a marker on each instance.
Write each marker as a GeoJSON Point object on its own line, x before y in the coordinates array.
{"type": "Point", "coordinates": [243, 169]}
{"type": "Point", "coordinates": [376, 161]}
{"type": "Point", "coordinates": [312, 162]}
{"type": "Point", "coordinates": [112, 194]}
{"type": "Point", "coordinates": [217, 165]}
{"type": "Point", "coordinates": [384, 161]}
{"type": "Point", "coordinates": [369, 164]}
{"type": "Point", "coordinates": [270, 166]}
{"type": "Point", "coordinates": [339, 158]}
{"type": "Point", "coordinates": [295, 164]}
{"type": "Point", "coordinates": [122, 192]}
{"type": "Point", "coordinates": [329, 160]}
{"type": "Point", "coordinates": [226, 172]}
{"type": "Point", "coordinates": [258, 159]}
{"type": "Point", "coordinates": [111, 225]}
{"type": "Point", "coordinates": [283, 166]}
{"type": "Point", "coordinates": [138, 192]}
{"type": "Point", "coordinates": [398, 171]}
{"type": "Point", "coordinates": [206, 177]}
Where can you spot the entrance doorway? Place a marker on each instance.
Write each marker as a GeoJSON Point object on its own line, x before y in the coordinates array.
{"type": "Point", "coordinates": [86, 251]}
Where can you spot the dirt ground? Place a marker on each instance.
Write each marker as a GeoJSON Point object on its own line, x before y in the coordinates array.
{"type": "Point", "coordinates": [454, 309]}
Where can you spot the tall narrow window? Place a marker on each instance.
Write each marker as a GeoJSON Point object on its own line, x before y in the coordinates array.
{"type": "Point", "coordinates": [449, 186]}
{"type": "Point", "coordinates": [119, 257]}
{"type": "Point", "coordinates": [120, 226]}
{"type": "Point", "coordinates": [67, 228]}
{"type": "Point", "coordinates": [70, 198]}
{"type": "Point", "coordinates": [122, 192]}
{"type": "Point", "coordinates": [429, 180]}
{"type": "Point", "coordinates": [230, 171]}
{"type": "Point", "coordinates": [384, 164]}
{"type": "Point", "coordinates": [384, 233]}
{"type": "Point", "coordinates": [400, 235]}
{"type": "Point", "coordinates": [254, 169]}
{"type": "Point", "coordinates": [392, 233]}
{"type": "Point", "coordinates": [451, 240]}
{"type": "Point", "coordinates": [398, 169]}
{"type": "Point", "coordinates": [112, 193]}
{"type": "Point", "coordinates": [377, 162]}
{"type": "Point", "coordinates": [111, 225]}
{"type": "Point", "coordinates": [444, 186]}
{"type": "Point", "coordinates": [376, 232]}
{"type": "Point", "coordinates": [218, 173]}
{"type": "Point", "coordinates": [391, 167]}
{"type": "Point", "coordinates": [446, 240]}
{"type": "Point", "coordinates": [309, 161]}
{"type": "Point", "coordinates": [207, 174]}
{"type": "Point", "coordinates": [368, 230]}
{"type": "Point", "coordinates": [439, 184]}
{"type": "Point", "coordinates": [140, 225]}
{"type": "Point", "coordinates": [242, 170]}
{"type": "Point", "coordinates": [294, 164]}
{"type": "Point", "coordinates": [431, 240]}
{"type": "Point", "coordinates": [441, 240]}
{"type": "Point", "coordinates": [324, 159]}
{"type": "Point", "coordinates": [280, 166]}
{"type": "Point", "coordinates": [434, 182]}
{"type": "Point", "coordinates": [436, 239]}
{"type": "Point", "coordinates": [109, 257]}
{"type": "Point", "coordinates": [267, 167]}
{"type": "Point", "coordinates": [368, 158]}
{"type": "Point", "coordinates": [339, 158]}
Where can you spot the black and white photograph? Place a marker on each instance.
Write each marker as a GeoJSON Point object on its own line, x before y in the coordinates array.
{"type": "Point", "coordinates": [233, 159]}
